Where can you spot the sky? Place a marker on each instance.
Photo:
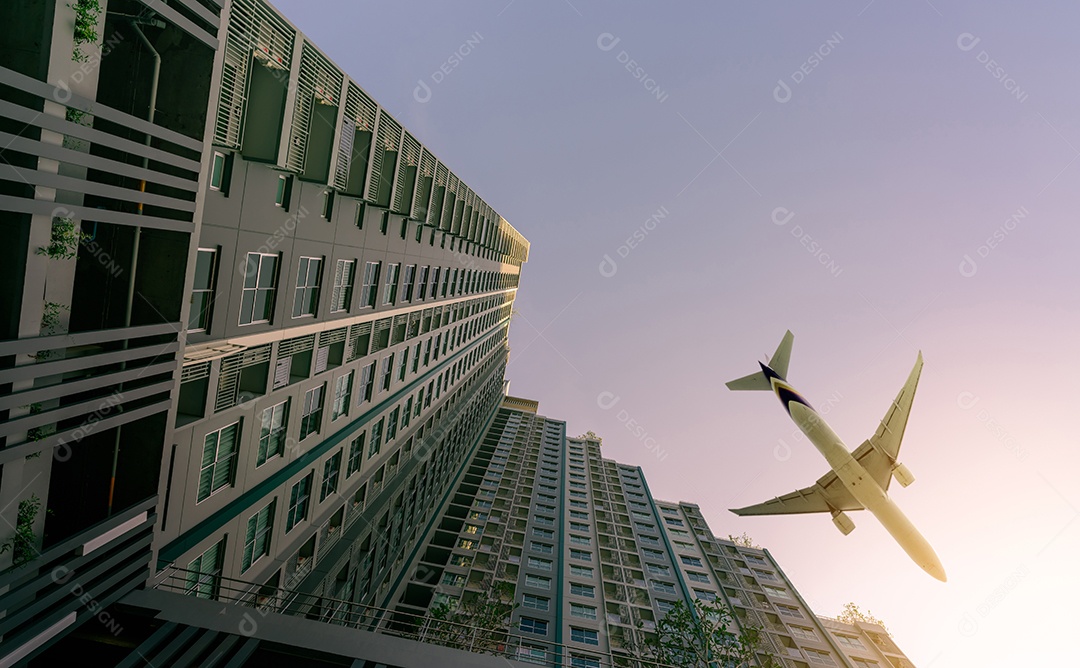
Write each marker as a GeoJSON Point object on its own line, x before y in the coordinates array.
{"type": "Point", "coordinates": [878, 177]}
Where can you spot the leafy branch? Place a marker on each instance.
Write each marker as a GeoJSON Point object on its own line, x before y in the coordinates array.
{"type": "Point", "coordinates": [23, 543]}
{"type": "Point", "coordinates": [64, 240]}
{"type": "Point", "coordinates": [50, 317]}
{"type": "Point", "coordinates": [477, 625]}
{"type": "Point", "coordinates": [87, 13]}
{"type": "Point", "coordinates": [701, 637]}
{"type": "Point", "coordinates": [853, 614]}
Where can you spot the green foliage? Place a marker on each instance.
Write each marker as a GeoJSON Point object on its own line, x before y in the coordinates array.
{"type": "Point", "coordinates": [478, 625]}
{"type": "Point", "coordinates": [50, 317]}
{"type": "Point", "coordinates": [64, 240]}
{"type": "Point", "coordinates": [701, 637]}
{"type": "Point", "coordinates": [23, 543]}
{"type": "Point", "coordinates": [75, 115]}
{"type": "Point", "coordinates": [744, 540]}
{"type": "Point", "coordinates": [86, 20]}
{"type": "Point", "coordinates": [853, 614]}
{"type": "Point", "coordinates": [591, 434]}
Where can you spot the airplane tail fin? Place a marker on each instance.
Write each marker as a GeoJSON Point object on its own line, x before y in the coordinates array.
{"type": "Point", "coordinates": [778, 364]}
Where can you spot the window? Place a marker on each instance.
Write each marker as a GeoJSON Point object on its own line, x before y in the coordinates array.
{"type": "Point", "coordinates": [584, 661]}
{"type": "Point", "coordinates": [664, 606]}
{"type": "Point", "coordinates": [219, 460]}
{"type": "Point", "coordinates": [804, 633]}
{"type": "Point", "coordinates": [586, 636]}
{"type": "Point", "coordinates": [537, 581]}
{"type": "Point", "coordinates": [774, 591]}
{"type": "Point", "coordinates": [580, 540]}
{"type": "Point", "coordinates": [588, 591]}
{"type": "Point", "coordinates": [453, 579]}
{"type": "Point", "coordinates": [673, 522]}
{"type": "Point", "coordinates": [376, 439]}
{"type": "Point", "coordinates": [387, 372]}
{"type": "Point", "coordinates": [370, 289]}
{"type": "Point", "coordinates": [703, 595]}
{"type": "Point", "coordinates": [367, 383]}
{"type": "Point", "coordinates": [690, 561]}
{"type": "Point", "coordinates": [543, 533]}
{"type": "Point", "coordinates": [257, 538]}
{"type": "Point", "coordinates": [539, 564]}
{"type": "Point", "coordinates": [581, 571]}
{"type": "Point", "coordinates": [220, 171]}
{"type": "Point", "coordinates": [331, 475]}
{"type": "Point", "coordinates": [403, 364]}
{"type": "Point", "coordinates": [532, 654]}
{"type": "Point", "coordinates": [260, 279]}
{"type": "Point", "coordinates": [306, 299]}
{"type": "Point", "coordinates": [864, 663]}
{"type": "Point", "coordinates": [416, 358]}
{"type": "Point", "coordinates": [421, 283]}
{"type": "Point", "coordinates": [392, 424]}
{"type": "Point", "coordinates": [819, 658]}
{"type": "Point", "coordinates": [664, 587]}
{"type": "Point", "coordinates": [579, 515]}
{"type": "Point", "coordinates": [204, 572]}
{"type": "Point", "coordinates": [534, 626]}
{"type": "Point", "coordinates": [466, 544]}
{"type": "Point", "coordinates": [407, 280]}
{"type": "Point", "coordinates": [342, 391]}
{"type": "Point", "coordinates": [284, 191]}
{"type": "Point", "coordinates": [435, 280]}
{"type": "Point", "coordinates": [534, 602]}
{"type": "Point", "coordinates": [669, 511]}
{"type": "Point", "coordinates": [765, 575]}
{"type": "Point", "coordinates": [656, 569]}
{"type": "Point", "coordinates": [849, 641]}
{"type": "Point", "coordinates": [390, 289]}
{"type": "Point", "coordinates": [578, 526]}
{"type": "Point", "coordinates": [543, 520]}
{"type": "Point", "coordinates": [581, 555]}
{"type": "Point", "coordinates": [311, 417]}
{"type": "Point", "coordinates": [202, 291]}
{"type": "Point", "coordinates": [583, 611]}
{"type": "Point", "coordinates": [652, 554]}
{"type": "Point", "coordinates": [272, 434]}
{"type": "Point", "coordinates": [788, 611]}
{"type": "Point", "coordinates": [344, 273]}
{"type": "Point", "coordinates": [299, 497]}
{"type": "Point", "coordinates": [542, 548]}
{"type": "Point", "coordinates": [697, 577]}
{"type": "Point", "coordinates": [356, 455]}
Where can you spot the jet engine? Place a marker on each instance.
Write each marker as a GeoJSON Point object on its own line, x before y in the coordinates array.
{"type": "Point", "coordinates": [843, 522]}
{"type": "Point", "coordinates": [902, 475]}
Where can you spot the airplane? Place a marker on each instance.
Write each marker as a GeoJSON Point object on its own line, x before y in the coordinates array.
{"type": "Point", "coordinates": [858, 480]}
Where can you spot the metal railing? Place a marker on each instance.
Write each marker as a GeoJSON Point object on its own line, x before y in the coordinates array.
{"type": "Point", "coordinates": [411, 626]}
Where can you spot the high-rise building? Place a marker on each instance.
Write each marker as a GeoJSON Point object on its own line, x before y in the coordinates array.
{"type": "Point", "coordinates": [252, 395]}
{"type": "Point", "coordinates": [250, 321]}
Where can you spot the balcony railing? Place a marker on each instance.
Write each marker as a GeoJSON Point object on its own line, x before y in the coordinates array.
{"type": "Point", "coordinates": [496, 642]}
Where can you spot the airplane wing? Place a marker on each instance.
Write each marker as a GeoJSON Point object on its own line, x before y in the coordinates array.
{"type": "Point", "coordinates": [824, 496]}
{"type": "Point", "coordinates": [879, 453]}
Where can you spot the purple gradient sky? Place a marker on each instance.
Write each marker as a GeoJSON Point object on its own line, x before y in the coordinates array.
{"type": "Point", "coordinates": [899, 154]}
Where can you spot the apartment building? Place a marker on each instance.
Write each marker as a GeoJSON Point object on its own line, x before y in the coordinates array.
{"type": "Point", "coordinates": [594, 560]}
{"type": "Point", "coordinates": [252, 323]}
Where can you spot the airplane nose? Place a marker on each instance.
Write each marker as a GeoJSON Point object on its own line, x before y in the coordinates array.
{"type": "Point", "coordinates": [936, 570]}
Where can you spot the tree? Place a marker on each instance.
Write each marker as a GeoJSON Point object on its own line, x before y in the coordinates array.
{"type": "Point", "coordinates": [701, 637]}
{"type": "Point", "coordinates": [477, 624]}
{"type": "Point", "coordinates": [853, 614]}
{"type": "Point", "coordinates": [744, 540]}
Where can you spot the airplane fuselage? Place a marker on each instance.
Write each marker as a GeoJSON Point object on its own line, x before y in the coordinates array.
{"type": "Point", "coordinates": [857, 481]}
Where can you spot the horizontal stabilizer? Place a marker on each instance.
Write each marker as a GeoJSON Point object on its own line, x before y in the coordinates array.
{"type": "Point", "coordinates": [778, 364]}
{"type": "Point", "coordinates": [755, 381]}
